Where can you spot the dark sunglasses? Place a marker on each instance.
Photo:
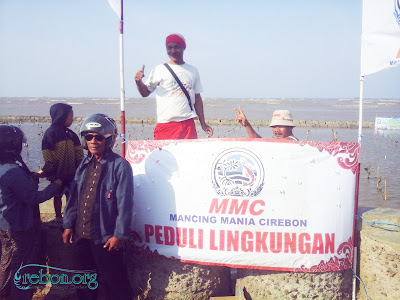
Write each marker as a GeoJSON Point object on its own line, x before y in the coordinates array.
{"type": "Point", "coordinates": [98, 138]}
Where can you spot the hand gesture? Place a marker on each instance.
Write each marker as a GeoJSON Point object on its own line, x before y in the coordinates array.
{"type": "Point", "coordinates": [139, 75]}
{"type": "Point", "coordinates": [113, 244]}
{"type": "Point", "coordinates": [240, 116]}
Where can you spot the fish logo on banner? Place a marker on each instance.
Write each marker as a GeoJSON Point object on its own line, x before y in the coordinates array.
{"type": "Point", "coordinates": [237, 172]}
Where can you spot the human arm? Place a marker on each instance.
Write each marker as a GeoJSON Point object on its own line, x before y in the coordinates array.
{"type": "Point", "coordinates": [241, 118]}
{"type": "Point", "coordinates": [71, 209]}
{"type": "Point", "coordinates": [49, 155]}
{"type": "Point", "coordinates": [142, 88]}
{"type": "Point", "coordinates": [198, 106]}
{"type": "Point", "coordinates": [124, 198]}
{"type": "Point", "coordinates": [25, 189]}
{"type": "Point", "coordinates": [78, 154]}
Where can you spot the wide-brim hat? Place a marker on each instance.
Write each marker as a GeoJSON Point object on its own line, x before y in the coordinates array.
{"type": "Point", "coordinates": [282, 118]}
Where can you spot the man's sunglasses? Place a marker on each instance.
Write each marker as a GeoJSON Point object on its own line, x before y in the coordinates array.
{"type": "Point", "coordinates": [98, 138]}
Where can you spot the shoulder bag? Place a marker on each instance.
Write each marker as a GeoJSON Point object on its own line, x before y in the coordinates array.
{"type": "Point", "coordinates": [180, 84]}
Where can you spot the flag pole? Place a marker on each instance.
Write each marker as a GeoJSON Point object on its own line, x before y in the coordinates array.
{"type": "Point", "coordinates": [355, 236]}
{"type": "Point", "coordinates": [122, 81]}
{"type": "Point", "coordinates": [360, 110]}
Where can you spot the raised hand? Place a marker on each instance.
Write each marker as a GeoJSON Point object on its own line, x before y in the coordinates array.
{"type": "Point", "coordinates": [140, 74]}
{"type": "Point", "coordinates": [240, 116]}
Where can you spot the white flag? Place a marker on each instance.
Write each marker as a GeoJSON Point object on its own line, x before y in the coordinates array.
{"type": "Point", "coordinates": [380, 42]}
{"type": "Point", "coordinates": [116, 6]}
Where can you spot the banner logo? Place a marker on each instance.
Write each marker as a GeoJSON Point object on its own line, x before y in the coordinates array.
{"type": "Point", "coordinates": [33, 275]}
{"type": "Point", "coordinates": [237, 172]}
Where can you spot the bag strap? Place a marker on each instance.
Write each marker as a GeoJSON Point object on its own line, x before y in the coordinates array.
{"type": "Point", "coordinates": [180, 84]}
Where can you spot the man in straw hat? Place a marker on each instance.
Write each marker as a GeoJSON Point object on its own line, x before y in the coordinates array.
{"type": "Point", "coordinates": [282, 124]}
{"type": "Point", "coordinates": [177, 87]}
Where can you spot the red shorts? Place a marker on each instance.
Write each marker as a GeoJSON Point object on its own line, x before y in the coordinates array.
{"type": "Point", "coordinates": [175, 130]}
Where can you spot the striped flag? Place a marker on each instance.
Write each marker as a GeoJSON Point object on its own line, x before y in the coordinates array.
{"type": "Point", "coordinates": [380, 41]}
{"type": "Point", "coordinates": [116, 6]}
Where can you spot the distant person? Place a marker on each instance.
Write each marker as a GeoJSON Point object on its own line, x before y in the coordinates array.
{"type": "Point", "coordinates": [282, 124]}
{"type": "Point", "coordinates": [20, 241]}
{"type": "Point", "coordinates": [97, 217]}
{"type": "Point", "coordinates": [177, 107]}
{"type": "Point", "coordinates": [62, 152]}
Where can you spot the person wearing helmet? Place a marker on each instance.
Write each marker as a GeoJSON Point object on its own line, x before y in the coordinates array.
{"type": "Point", "coordinates": [98, 215]}
{"type": "Point", "coordinates": [19, 212]}
{"type": "Point", "coordinates": [282, 124]}
{"type": "Point", "coordinates": [178, 103]}
{"type": "Point", "coordinates": [62, 152]}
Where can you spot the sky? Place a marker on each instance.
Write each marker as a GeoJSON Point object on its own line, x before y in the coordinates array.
{"type": "Point", "coordinates": [242, 49]}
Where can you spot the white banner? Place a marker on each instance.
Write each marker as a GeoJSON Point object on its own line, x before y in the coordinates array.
{"type": "Point", "coordinates": [380, 42]}
{"type": "Point", "coordinates": [387, 123]}
{"type": "Point", "coordinates": [116, 6]}
{"type": "Point", "coordinates": [246, 203]}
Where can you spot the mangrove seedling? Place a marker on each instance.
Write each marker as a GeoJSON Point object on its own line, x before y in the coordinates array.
{"type": "Point", "coordinates": [334, 133]}
{"type": "Point", "coordinates": [368, 170]}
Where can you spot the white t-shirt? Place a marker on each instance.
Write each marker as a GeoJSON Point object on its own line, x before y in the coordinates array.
{"type": "Point", "coordinates": [172, 103]}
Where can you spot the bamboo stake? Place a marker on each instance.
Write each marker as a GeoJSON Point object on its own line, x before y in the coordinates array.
{"type": "Point", "coordinates": [378, 179]}
{"type": "Point", "coordinates": [385, 190]}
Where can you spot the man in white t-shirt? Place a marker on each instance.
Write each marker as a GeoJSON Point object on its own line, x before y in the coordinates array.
{"type": "Point", "coordinates": [175, 114]}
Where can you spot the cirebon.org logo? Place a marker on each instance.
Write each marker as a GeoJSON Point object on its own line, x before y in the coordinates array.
{"type": "Point", "coordinates": [237, 172]}
{"type": "Point", "coordinates": [34, 275]}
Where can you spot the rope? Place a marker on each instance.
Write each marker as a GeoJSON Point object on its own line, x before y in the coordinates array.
{"type": "Point", "coordinates": [362, 284]}
{"type": "Point", "coordinates": [377, 149]}
{"type": "Point", "coordinates": [374, 224]}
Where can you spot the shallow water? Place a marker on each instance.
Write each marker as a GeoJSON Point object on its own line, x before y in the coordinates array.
{"type": "Point", "coordinates": [380, 149]}
{"type": "Point", "coordinates": [377, 150]}
{"type": "Point", "coordinates": [220, 108]}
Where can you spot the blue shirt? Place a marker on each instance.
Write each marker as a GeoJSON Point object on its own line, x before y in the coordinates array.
{"type": "Point", "coordinates": [18, 196]}
{"type": "Point", "coordinates": [113, 208]}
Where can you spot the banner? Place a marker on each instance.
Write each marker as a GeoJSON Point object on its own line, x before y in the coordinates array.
{"type": "Point", "coordinates": [116, 6]}
{"type": "Point", "coordinates": [246, 203]}
{"type": "Point", "coordinates": [387, 123]}
{"type": "Point", "coordinates": [380, 42]}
